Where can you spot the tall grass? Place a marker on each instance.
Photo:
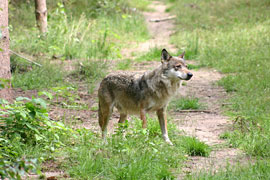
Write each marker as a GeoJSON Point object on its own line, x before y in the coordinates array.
{"type": "Point", "coordinates": [82, 30]}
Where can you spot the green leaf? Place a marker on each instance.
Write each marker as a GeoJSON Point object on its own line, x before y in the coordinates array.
{"type": "Point", "coordinates": [41, 102]}
{"type": "Point", "coordinates": [22, 98]}
{"type": "Point", "coordinates": [49, 95]}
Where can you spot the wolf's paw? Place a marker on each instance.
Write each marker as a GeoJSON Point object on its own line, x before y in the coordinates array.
{"type": "Point", "coordinates": [169, 142]}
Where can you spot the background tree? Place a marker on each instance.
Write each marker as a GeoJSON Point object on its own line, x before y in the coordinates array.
{"type": "Point", "coordinates": [41, 15]}
{"type": "Point", "coordinates": [5, 74]}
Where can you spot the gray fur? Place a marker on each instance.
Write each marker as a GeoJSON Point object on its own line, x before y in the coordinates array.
{"type": "Point", "coordinates": [139, 95]}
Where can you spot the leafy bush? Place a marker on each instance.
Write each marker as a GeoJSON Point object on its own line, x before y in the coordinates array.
{"type": "Point", "coordinates": [26, 123]}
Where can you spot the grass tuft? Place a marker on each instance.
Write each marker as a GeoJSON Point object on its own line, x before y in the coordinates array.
{"type": "Point", "coordinates": [194, 147]}
{"type": "Point", "coordinates": [185, 103]}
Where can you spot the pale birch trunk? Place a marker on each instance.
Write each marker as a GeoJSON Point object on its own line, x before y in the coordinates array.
{"type": "Point", "coordinates": [5, 74]}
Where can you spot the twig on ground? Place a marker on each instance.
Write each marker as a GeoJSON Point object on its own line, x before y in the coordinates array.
{"type": "Point", "coordinates": [195, 111]}
{"type": "Point", "coordinates": [21, 56]}
{"type": "Point", "coordinates": [163, 19]}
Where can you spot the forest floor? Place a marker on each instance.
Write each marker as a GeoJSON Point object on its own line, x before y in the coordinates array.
{"type": "Point", "coordinates": [207, 126]}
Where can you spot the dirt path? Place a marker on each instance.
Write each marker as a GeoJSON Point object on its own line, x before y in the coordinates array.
{"type": "Point", "coordinates": [207, 127]}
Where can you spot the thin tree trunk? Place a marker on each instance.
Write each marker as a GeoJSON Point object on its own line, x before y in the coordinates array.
{"type": "Point", "coordinates": [41, 15]}
{"type": "Point", "coordinates": [5, 74]}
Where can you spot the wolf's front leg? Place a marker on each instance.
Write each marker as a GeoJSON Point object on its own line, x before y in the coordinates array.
{"type": "Point", "coordinates": [161, 113]}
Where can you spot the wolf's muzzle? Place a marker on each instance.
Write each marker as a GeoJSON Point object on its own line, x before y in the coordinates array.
{"type": "Point", "coordinates": [189, 75]}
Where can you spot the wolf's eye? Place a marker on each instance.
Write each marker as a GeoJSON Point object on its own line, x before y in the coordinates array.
{"type": "Point", "coordinates": [178, 66]}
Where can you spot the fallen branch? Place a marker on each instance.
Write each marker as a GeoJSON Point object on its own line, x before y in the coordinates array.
{"type": "Point", "coordinates": [25, 58]}
{"type": "Point", "coordinates": [195, 111]}
{"type": "Point", "coordinates": [163, 19]}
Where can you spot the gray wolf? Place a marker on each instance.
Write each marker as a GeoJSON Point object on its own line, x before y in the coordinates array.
{"type": "Point", "coordinates": [140, 95]}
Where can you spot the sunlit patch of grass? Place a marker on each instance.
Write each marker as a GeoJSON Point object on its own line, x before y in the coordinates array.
{"type": "Point", "coordinates": [194, 66]}
{"type": "Point", "coordinates": [153, 54]}
{"type": "Point", "coordinates": [48, 75]}
{"type": "Point", "coordinates": [194, 147]}
{"type": "Point", "coordinates": [185, 103]}
{"type": "Point", "coordinates": [142, 5]}
{"type": "Point", "coordinates": [257, 170]}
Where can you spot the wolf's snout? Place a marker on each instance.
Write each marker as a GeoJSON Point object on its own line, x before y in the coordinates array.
{"type": "Point", "coordinates": [189, 75]}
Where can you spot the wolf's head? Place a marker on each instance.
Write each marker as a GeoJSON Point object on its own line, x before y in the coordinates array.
{"type": "Point", "coordinates": [174, 67]}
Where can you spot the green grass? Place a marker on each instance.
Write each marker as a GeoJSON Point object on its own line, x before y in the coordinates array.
{"type": "Point", "coordinates": [124, 64]}
{"type": "Point", "coordinates": [90, 71]}
{"type": "Point", "coordinates": [194, 66]}
{"type": "Point", "coordinates": [233, 37]}
{"type": "Point", "coordinates": [258, 170]}
{"type": "Point", "coordinates": [185, 103]}
{"type": "Point", "coordinates": [141, 5]}
{"type": "Point", "coordinates": [131, 153]}
{"type": "Point", "coordinates": [80, 31]}
{"type": "Point", "coordinates": [47, 76]}
{"type": "Point", "coordinates": [153, 54]}
{"type": "Point", "coordinates": [194, 147]}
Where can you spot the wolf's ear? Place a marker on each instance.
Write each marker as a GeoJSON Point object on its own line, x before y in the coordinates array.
{"type": "Point", "coordinates": [182, 55]}
{"type": "Point", "coordinates": [165, 56]}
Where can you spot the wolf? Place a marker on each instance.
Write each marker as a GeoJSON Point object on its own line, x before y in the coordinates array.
{"type": "Point", "coordinates": [150, 92]}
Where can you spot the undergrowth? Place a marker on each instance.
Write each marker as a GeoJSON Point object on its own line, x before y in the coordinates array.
{"type": "Point", "coordinates": [78, 31]}
{"type": "Point", "coordinates": [185, 103]}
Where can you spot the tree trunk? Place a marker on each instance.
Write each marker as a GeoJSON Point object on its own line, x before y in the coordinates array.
{"type": "Point", "coordinates": [5, 74]}
{"type": "Point", "coordinates": [41, 15]}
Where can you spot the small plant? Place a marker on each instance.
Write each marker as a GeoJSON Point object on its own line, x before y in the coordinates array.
{"type": "Point", "coordinates": [184, 104]}
{"type": "Point", "coordinates": [27, 121]}
{"type": "Point", "coordinates": [224, 135]}
{"type": "Point", "coordinates": [194, 147]}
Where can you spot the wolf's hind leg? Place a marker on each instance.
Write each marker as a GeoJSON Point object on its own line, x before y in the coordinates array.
{"type": "Point", "coordinates": [161, 113]}
{"type": "Point", "coordinates": [104, 112]}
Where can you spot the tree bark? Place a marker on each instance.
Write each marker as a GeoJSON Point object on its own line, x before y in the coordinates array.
{"type": "Point", "coordinates": [41, 15]}
{"type": "Point", "coordinates": [5, 74]}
